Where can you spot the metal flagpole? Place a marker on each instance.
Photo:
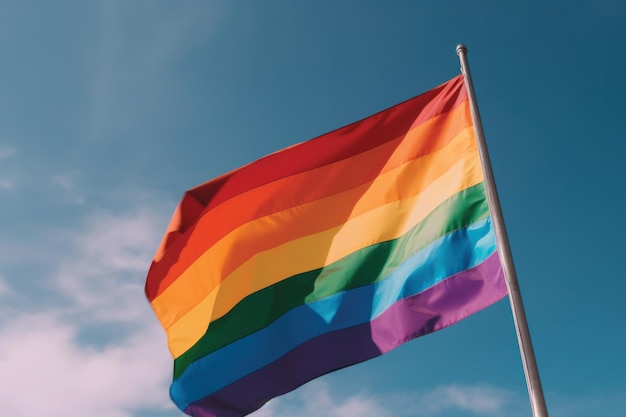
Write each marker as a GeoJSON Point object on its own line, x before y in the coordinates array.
{"type": "Point", "coordinates": [535, 392]}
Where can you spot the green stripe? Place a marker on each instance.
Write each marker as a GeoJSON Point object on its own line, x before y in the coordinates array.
{"type": "Point", "coordinates": [366, 266]}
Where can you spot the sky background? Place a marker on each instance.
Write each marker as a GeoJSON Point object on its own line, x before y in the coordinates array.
{"type": "Point", "coordinates": [110, 110]}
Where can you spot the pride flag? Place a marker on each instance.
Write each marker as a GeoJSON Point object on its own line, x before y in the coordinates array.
{"type": "Point", "coordinates": [326, 254]}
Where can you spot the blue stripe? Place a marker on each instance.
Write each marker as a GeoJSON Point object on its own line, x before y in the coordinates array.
{"type": "Point", "coordinates": [449, 255]}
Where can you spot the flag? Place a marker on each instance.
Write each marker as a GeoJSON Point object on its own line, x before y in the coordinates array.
{"type": "Point", "coordinates": [326, 254]}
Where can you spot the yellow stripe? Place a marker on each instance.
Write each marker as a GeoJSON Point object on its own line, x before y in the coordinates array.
{"type": "Point", "coordinates": [324, 247]}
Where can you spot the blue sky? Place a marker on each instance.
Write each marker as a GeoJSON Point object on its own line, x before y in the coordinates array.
{"type": "Point", "coordinates": [110, 110]}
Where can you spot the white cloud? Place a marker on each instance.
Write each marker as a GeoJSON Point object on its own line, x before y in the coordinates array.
{"type": "Point", "coordinates": [318, 398]}
{"type": "Point", "coordinates": [480, 400]}
{"type": "Point", "coordinates": [94, 347]}
{"type": "Point", "coordinates": [45, 371]}
{"type": "Point", "coordinates": [314, 399]}
{"type": "Point", "coordinates": [104, 277]}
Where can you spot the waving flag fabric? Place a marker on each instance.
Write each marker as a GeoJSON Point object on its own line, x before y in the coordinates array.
{"type": "Point", "coordinates": [326, 254]}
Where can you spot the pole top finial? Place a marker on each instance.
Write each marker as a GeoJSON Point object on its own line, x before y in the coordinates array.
{"type": "Point", "coordinates": [460, 48]}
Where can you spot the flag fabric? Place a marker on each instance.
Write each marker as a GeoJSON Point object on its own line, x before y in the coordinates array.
{"type": "Point", "coordinates": [326, 254]}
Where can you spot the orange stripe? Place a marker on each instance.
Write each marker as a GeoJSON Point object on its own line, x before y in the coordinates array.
{"type": "Point", "coordinates": [293, 191]}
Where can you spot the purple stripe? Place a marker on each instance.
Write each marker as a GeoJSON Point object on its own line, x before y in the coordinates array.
{"type": "Point", "coordinates": [440, 306]}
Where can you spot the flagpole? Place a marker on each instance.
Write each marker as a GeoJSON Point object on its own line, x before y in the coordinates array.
{"type": "Point", "coordinates": [535, 392]}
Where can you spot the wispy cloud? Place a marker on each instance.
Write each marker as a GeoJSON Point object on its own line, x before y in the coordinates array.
{"type": "Point", "coordinates": [93, 346]}
{"type": "Point", "coordinates": [480, 400]}
{"type": "Point", "coordinates": [315, 399]}
{"type": "Point", "coordinates": [111, 257]}
{"type": "Point", "coordinates": [68, 184]}
{"type": "Point", "coordinates": [46, 371]}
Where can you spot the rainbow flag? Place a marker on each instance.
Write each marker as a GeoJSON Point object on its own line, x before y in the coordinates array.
{"type": "Point", "coordinates": [326, 254]}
